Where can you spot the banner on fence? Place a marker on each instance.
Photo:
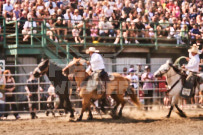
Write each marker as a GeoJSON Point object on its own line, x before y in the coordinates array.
{"type": "Point", "coordinates": [2, 65]}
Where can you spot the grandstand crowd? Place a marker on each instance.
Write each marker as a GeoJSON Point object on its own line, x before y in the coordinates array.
{"type": "Point", "coordinates": [178, 19]}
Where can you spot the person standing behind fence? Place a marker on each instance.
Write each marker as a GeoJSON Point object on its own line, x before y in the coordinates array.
{"type": "Point", "coordinates": [9, 88]}
{"type": "Point", "coordinates": [147, 86]}
{"type": "Point", "coordinates": [2, 95]}
{"type": "Point", "coordinates": [32, 97]}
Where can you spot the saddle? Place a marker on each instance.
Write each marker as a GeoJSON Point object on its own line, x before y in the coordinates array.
{"type": "Point", "coordinates": [97, 81]}
{"type": "Point", "coordinates": [189, 82]}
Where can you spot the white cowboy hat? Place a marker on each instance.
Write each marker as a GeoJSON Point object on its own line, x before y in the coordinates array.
{"type": "Point", "coordinates": [194, 50]}
{"type": "Point", "coordinates": [91, 49]}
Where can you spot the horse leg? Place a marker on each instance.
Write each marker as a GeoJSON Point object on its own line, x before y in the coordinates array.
{"type": "Point", "coordinates": [169, 114]}
{"type": "Point", "coordinates": [90, 117]}
{"type": "Point", "coordinates": [69, 107]}
{"type": "Point", "coordinates": [122, 105]}
{"type": "Point", "coordinates": [115, 97]}
{"type": "Point", "coordinates": [85, 106]}
{"type": "Point", "coordinates": [181, 113]}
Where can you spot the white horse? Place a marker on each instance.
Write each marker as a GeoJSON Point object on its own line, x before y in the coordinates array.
{"type": "Point", "coordinates": [173, 79]}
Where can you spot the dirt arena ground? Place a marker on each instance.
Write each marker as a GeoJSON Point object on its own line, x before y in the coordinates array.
{"type": "Point", "coordinates": [134, 122]}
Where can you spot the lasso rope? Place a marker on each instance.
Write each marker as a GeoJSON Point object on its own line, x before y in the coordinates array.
{"type": "Point", "coordinates": [178, 60]}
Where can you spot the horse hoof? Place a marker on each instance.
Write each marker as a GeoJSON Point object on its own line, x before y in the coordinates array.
{"type": "Point", "coordinates": [89, 118]}
{"type": "Point", "coordinates": [71, 119]}
{"type": "Point", "coordinates": [182, 114]}
{"type": "Point", "coordinates": [79, 119]}
{"type": "Point", "coordinates": [167, 116]}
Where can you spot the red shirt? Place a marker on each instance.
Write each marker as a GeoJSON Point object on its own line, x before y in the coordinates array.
{"type": "Point", "coordinates": [170, 6]}
{"type": "Point", "coordinates": [162, 85]}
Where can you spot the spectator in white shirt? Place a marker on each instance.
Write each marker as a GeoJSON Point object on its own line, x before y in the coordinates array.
{"type": "Point", "coordinates": [68, 16]}
{"type": "Point", "coordinates": [8, 10]}
{"type": "Point", "coordinates": [48, 3]}
{"type": "Point", "coordinates": [108, 12]}
{"type": "Point", "coordinates": [77, 19]}
{"type": "Point", "coordinates": [27, 28]}
{"type": "Point", "coordinates": [133, 78]}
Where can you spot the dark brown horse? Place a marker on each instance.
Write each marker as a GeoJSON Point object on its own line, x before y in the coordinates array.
{"type": "Point", "coordinates": [60, 82]}
{"type": "Point", "coordinates": [116, 88]}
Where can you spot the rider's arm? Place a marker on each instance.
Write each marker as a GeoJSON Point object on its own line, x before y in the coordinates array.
{"type": "Point", "coordinates": [88, 69]}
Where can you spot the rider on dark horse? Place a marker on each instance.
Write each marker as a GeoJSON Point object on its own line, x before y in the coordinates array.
{"type": "Point", "coordinates": [193, 66]}
{"type": "Point", "coordinates": [97, 69]}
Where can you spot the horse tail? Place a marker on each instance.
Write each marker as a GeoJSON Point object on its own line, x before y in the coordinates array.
{"type": "Point", "coordinates": [133, 96]}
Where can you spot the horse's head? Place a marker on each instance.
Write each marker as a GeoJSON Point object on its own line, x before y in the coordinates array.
{"type": "Point", "coordinates": [41, 69]}
{"type": "Point", "coordinates": [163, 69]}
{"type": "Point", "coordinates": [76, 65]}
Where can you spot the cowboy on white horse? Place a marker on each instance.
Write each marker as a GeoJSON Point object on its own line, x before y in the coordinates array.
{"type": "Point", "coordinates": [193, 60]}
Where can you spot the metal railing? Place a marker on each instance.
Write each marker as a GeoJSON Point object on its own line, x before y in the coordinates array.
{"type": "Point", "coordinates": [142, 35]}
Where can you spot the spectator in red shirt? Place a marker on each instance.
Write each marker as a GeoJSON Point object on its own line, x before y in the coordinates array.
{"type": "Point", "coordinates": [170, 6]}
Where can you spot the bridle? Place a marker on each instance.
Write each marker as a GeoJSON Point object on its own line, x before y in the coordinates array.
{"type": "Point", "coordinates": [166, 70]}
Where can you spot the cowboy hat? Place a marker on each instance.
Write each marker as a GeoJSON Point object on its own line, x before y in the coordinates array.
{"type": "Point", "coordinates": [91, 49]}
{"type": "Point", "coordinates": [194, 50]}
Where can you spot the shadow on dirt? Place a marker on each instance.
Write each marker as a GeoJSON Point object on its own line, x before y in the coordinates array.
{"type": "Point", "coordinates": [121, 120]}
{"type": "Point", "coordinates": [197, 118]}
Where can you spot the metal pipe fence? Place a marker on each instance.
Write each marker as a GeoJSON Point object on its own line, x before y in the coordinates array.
{"type": "Point", "coordinates": [156, 90]}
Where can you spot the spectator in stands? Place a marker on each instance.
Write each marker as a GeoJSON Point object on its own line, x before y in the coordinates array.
{"type": "Point", "coordinates": [163, 25]}
{"type": "Point", "coordinates": [127, 8]}
{"type": "Point", "coordinates": [139, 73]}
{"type": "Point", "coordinates": [27, 28]}
{"type": "Point", "coordinates": [22, 21]}
{"type": "Point", "coordinates": [59, 14]}
{"type": "Point", "coordinates": [68, 16]}
{"type": "Point", "coordinates": [8, 10]}
{"type": "Point", "coordinates": [94, 33]}
{"type": "Point", "coordinates": [16, 13]}
{"type": "Point", "coordinates": [199, 18]}
{"type": "Point", "coordinates": [148, 86]}
{"type": "Point", "coordinates": [184, 34]}
{"type": "Point", "coordinates": [9, 89]}
{"type": "Point", "coordinates": [171, 31]}
{"type": "Point", "coordinates": [77, 19]}
{"type": "Point", "coordinates": [134, 79]}
{"type": "Point", "coordinates": [51, 9]}
{"type": "Point", "coordinates": [108, 12]}
{"type": "Point", "coordinates": [125, 71]}
{"type": "Point", "coordinates": [50, 28]}
{"type": "Point", "coordinates": [40, 5]}
{"type": "Point", "coordinates": [59, 26]}
{"type": "Point", "coordinates": [140, 26]}
{"type": "Point", "coordinates": [32, 89]}
{"type": "Point", "coordinates": [2, 92]}
{"type": "Point", "coordinates": [53, 4]}
{"type": "Point", "coordinates": [50, 99]}
{"type": "Point", "coordinates": [75, 33]}
{"type": "Point", "coordinates": [104, 27]}
{"type": "Point", "coordinates": [195, 34]}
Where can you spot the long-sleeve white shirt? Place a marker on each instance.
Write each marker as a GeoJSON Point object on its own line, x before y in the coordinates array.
{"type": "Point", "coordinates": [96, 62]}
{"type": "Point", "coordinates": [193, 63]}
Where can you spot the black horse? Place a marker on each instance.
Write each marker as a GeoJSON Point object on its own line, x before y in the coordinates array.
{"type": "Point", "coordinates": [60, 82]}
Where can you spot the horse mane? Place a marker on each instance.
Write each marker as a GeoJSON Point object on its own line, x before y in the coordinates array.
{"type": "Point", "coordinates": [176, 69]}
{"type": "Point", "coordinates": [56, 77]}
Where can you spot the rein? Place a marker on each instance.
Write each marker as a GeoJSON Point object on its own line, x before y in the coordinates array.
{"type": "Point", "coordinates": [174, 85]}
